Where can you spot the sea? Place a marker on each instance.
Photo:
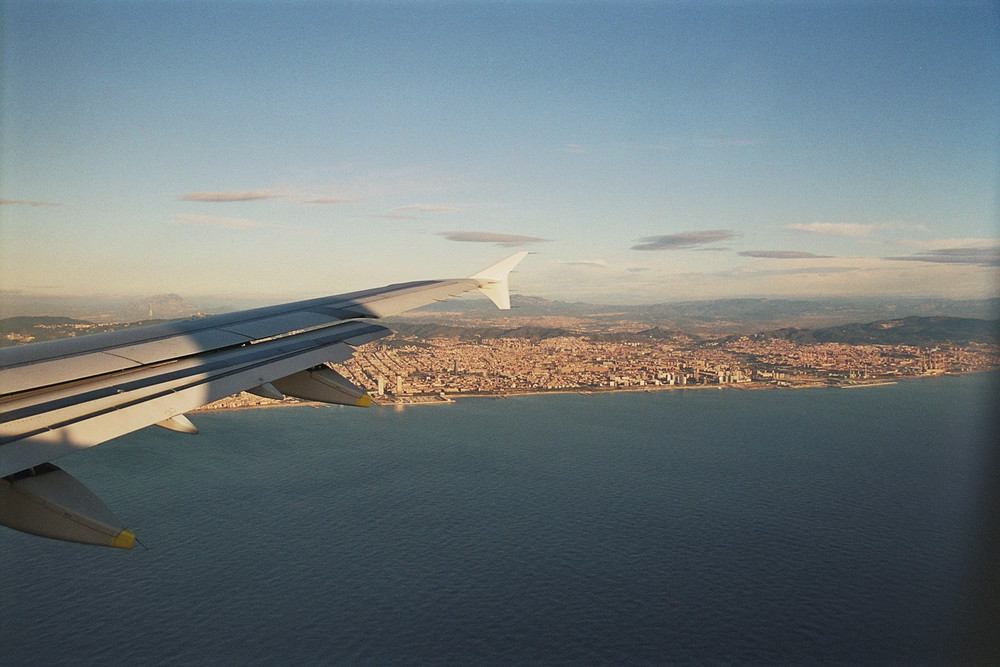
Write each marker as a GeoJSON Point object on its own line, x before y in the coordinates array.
{"type": "Point", "coordinates": [696, 526]}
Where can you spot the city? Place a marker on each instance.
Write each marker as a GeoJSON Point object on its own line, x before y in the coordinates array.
{"type": "Point", "coordinates": [412, 367]}
{"type": "Point", "coordinates": [399, 371]}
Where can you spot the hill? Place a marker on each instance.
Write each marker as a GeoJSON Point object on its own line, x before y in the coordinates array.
{"type": "Point", "coordinates": [21, 322]}
{"type": "Point", "coordinates": [743, 315]}
{"type": "Point", "coordinates": [912, 330]}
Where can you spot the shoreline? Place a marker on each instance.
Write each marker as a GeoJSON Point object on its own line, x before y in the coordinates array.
{"type": "Point", "coordinates": [583, 391]}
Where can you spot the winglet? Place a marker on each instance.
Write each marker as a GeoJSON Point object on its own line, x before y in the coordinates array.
{"type": "Point", "coordinates": [493, 280]}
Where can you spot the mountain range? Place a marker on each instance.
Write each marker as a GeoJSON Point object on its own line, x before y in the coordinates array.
{"type": "Point", "coordinates": [916, 321]}
{"type": "Point", "coordinates": [905, 331]}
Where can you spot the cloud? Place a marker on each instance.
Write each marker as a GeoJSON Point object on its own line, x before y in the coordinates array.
{"type": "Point", "coordinates": [981, 256]}
{"type": "Point", "coordinates": [424, 208]}
{"type": "Point", "coordinates": [938, 244]}
{"type": "Point", "coordinates": [392, 216]}
{"type": "Point", "coordinates": [855, 229]}
{"type": "Point", "coordinates": [25, 202]}
{"type": "Point", "coordinates": [505, 240]}
{"type": "Point", "coordinates": [574, 148]}
{"type": "Point", "coordinates": [803, 271]}
{"type": "Point", "coordinates": [638, 269]}
{"type": "Point", "coordinates": [684, 240]}
{"type": "Point", "coordinates": [231, 196]}
{"type": "Point", "coordinates": [330, 200]}
{"type": "Point", "coordinates": [219, 222]}
{"type": "Point", "coordinates": [781, 254]}
{"type": "Point", "coordinates": [595, 263]}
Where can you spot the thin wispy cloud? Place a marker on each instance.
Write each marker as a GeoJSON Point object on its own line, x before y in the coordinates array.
{"type": "Point", "coordinates": [330, 200]}
{"type": "Point", "coordinates": [25, 202]}
{"type": "Point", "coordinates": [220, 222]}
{"type": "Point", "coordinates": [854, 229]}
{"type": "Point", "coordinates": [392, 216]}
{"type": "Point", "coordinates": [426, 208]}
{"type": "Point", "coordinates": [227, 196]}
{"type": "Point", "coordinates": [982, 256]}
{"type": "Point", "coordinates": [504, 240]}
{"type": "Point", "coordinates": [939, 244]}
{"type": "Point", "coordinates": [803, 271]}
{"type": "Point", "coordinates": [684, 240]}
{"type": "Point", "coordinates": [781, 254]}
{"type": "Point", "coordinates": [593, 263]}
{"type": "Point", "coordinates": [574, 148]}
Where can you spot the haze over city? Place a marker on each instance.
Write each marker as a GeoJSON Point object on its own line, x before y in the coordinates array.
{"type": "Point", "coordinates": [646, 152]}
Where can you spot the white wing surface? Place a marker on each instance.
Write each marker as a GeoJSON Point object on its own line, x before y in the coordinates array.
{"type": "Point", "coordinates": [62, 396]}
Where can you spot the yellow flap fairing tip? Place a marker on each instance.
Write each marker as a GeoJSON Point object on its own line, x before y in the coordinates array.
{"type": "Point", "coordinates": [123, 540]}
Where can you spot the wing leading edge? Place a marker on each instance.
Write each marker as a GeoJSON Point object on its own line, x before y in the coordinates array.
{"type": "Point", "coordinates": [62, 396]}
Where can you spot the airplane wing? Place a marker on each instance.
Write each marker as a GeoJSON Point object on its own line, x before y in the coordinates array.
{"type": "Point", "coordinates": [62, 396]}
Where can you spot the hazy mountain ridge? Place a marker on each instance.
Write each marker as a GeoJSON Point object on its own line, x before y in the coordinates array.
{"type": "Point", "coordinates": [39, 328]}
{"type": "Point", "coordinates": [159, 306]}
{"type": "Point", "coordinates": [740, 314]}
{"type": "Point", "coordinates": [745, 314]}
{"type": "Point", "coordinates": [911, 330]}
{"type": "Point", "coordinates": [848, 321]}
{"type": "Point", "coordinates": [20, 322]}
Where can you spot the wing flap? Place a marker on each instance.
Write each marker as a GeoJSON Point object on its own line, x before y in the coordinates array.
{"type": "Point", "coordinates": [153, 351]}
{"type": "Point", "coordinates": [45, 373]}
{"type": "Point", "coordinates": [271, 326]}
{"type": "Point", "coordinates": [49, 371]}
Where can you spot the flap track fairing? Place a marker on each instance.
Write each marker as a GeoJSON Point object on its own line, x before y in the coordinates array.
{"type": "Point", "coordinates": [48, 501]}
{"type": "Point", "coordinates": [323, 384]}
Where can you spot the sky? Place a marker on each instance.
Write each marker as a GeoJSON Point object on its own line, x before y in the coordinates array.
{"type": "Point", "coordinates": [644, 152]}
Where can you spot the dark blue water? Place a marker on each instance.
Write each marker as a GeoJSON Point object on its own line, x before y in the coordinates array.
{"type": "Point", "coordinates": [701, 526]}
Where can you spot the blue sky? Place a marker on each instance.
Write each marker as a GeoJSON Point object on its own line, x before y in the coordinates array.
{"type": "Point", "coordinates": [646, 152]}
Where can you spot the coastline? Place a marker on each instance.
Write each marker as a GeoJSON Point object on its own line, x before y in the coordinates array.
{"type": "Point", "coordinates": [448, 399]}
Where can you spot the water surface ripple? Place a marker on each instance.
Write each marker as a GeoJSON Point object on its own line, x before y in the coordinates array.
{"type": "Point", "coordinates": [708, 527]}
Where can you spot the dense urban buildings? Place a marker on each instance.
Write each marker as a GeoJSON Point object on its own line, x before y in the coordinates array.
{"type": "Point", "coordinates": [512, 365]}
{"type": "Point", "coordinates": [421, 371]}
{"type": "Point", "coordinates": [412, 368]}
